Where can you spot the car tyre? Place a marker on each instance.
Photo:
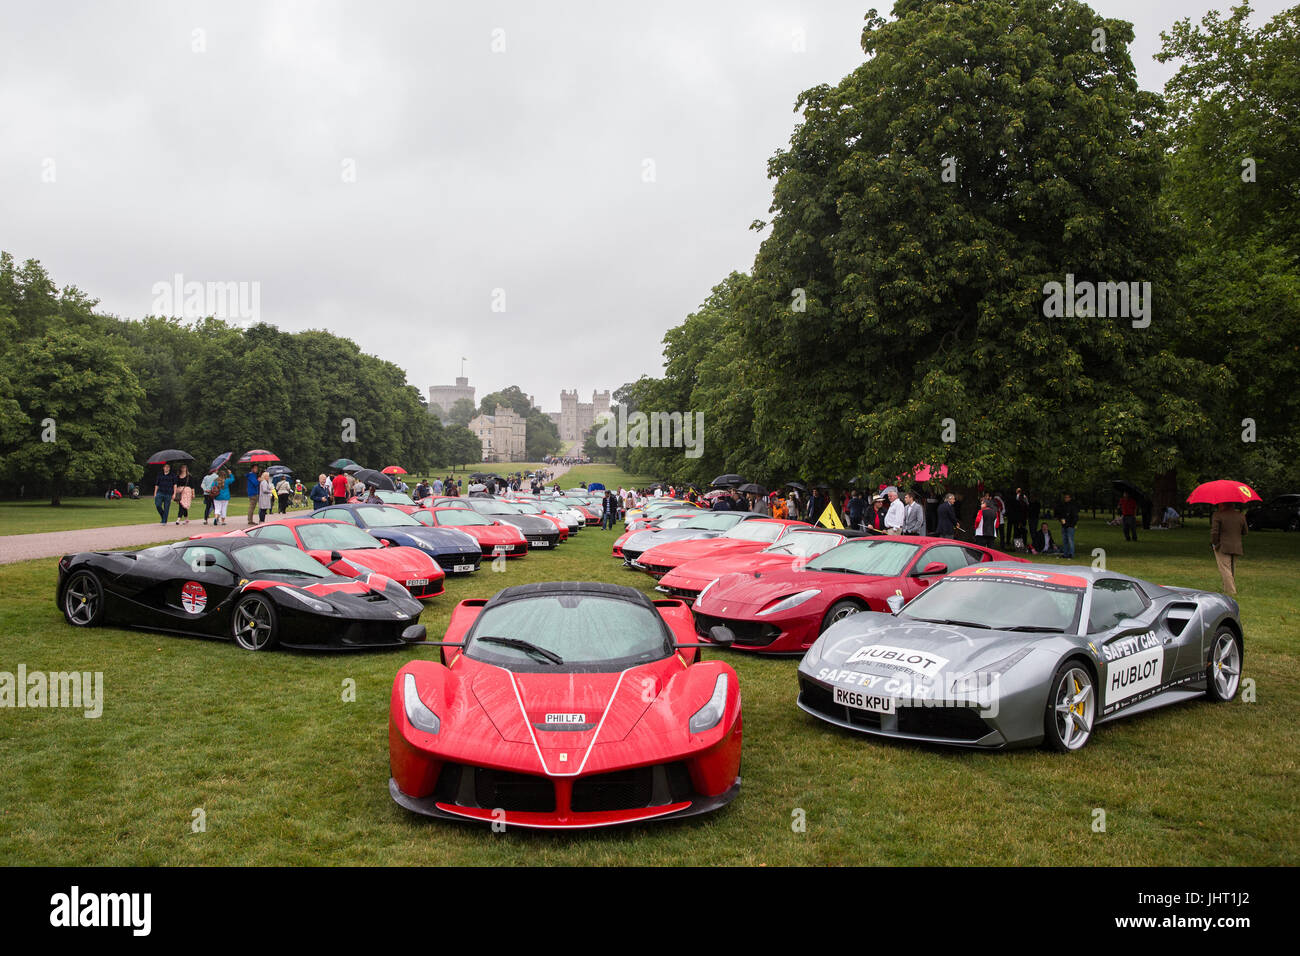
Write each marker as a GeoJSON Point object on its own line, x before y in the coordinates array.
{"type": "Point", "coordinates": [83, 599]}
{"type": "Point", "coordinates": [1223, 669]}
{"type": "Point", "coordinates": [254, 623]}
{"type": "Point", "coordinates": [1071, 707]}
{"type": "Point", "coordinates": [838, 612]}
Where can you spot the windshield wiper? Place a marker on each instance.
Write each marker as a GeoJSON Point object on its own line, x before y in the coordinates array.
{"type": "Point", "coordinates": [1034, 627]}
{"type": "Point", "coordinates": [298, 571]}
{"type": "Point", "coordinates": [526, 646]}
{"type": "Point", "coordinates": [928, 620]}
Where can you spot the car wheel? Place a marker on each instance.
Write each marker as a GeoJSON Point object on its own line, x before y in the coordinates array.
{"type": "Point", "coordinates": [254, 623]}
{"type": "Point", "coordinates": [839, 611]}
{"type": "Point", "coordinates": [1223, 669]}
{"type": "Point", "coordinates": [83, 599]}
{"type": "Point", "coordinates": [1071, 707]}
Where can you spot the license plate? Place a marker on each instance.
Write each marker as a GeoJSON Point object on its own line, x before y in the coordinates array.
{"type": "Point", "coordinates": [457, 569]}
{"type": "Point", "coordinates": [540, 544]}
{"type": "Point", "coordinates": [861, 701]}
{"type": "Point", "coordinates": [417, 583]}
{"type": "Point", "coordinates": [501, 549]}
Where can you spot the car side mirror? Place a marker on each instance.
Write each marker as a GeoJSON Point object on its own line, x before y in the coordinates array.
{"type": "Point", "coordinates": [934, 567]}
{"type": "Point", "coordinates": [895, 602]}
{"type": "Point", "coordinates": [206, 561]}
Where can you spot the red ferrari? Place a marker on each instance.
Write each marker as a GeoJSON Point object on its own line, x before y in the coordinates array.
{"type": "Point", "coordinates": [565, 705]}
{"type": "Point", "coordinates": [795, 547]}
{"type": "Point", "coordinates": [783, 612]}
{"type": "Point", "coordinates": [348, 551]}
{"type": "Point", "coordinates": [493, 537]}
{"type": "Point", "coordinates": [748, 537]}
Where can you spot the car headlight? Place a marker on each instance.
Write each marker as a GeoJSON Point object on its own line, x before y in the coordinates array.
{"type": "Point", "coordinates": [419, 715]}
{"type": "Point", "coordinates": [425, 545]}
{"type": "Point", "coordinates": [700, 597]}
{"type": "Point", "coordinates": [983, 677]}
{"type": "Point", "coordinates": [306, 600]}
{"type": "Point", "coordinates": [708, 716]}
{"type": "Point", "coordinates": [794, 600]}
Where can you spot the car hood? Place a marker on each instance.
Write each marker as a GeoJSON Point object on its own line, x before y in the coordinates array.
{"type": "Point", "coordinates": [400, 563]}
{"type": "Point", "coordinates": [677, 552]}
{"type": "Point", "coordinates": [644, 540]}
{"type": "Point", "coordinates": [445, 539]}
{"type": "Point", "coordinates": [528, 524]}
{"type": "Point", "coordinates": [749, 588]}
{"type": "Point", "coordinates": [707, 569]}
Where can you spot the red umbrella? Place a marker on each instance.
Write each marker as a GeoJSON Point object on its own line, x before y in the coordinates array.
{"type": "Point", "coordinates": [257, 456]}
{"type": "Point", "coordinates": [394, 470]}
{"type": "Point", "coordinates": [1217, 492]}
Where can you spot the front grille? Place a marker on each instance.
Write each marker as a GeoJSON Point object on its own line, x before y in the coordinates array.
{"type": "Point", "coordinates": [686, 594]}
{"type": "Point", "coordinates": [749, 633]}
{"type": "Point", "coordinates": [521, 792]}
{"type": "Point", "coordinates": [655, 570]}
{"type": "Point", "coordinates": [449, 561]}
{"type": "Point", "coordinates": [632, 789]}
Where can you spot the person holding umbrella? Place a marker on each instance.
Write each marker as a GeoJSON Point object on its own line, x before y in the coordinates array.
{"type": "Point", "coordinates": [221, 501]}
{"type": "Point", "coordinates": [1227, 528]}
{"type": "Point", "coordinates": [163, 490]}
{"type": "Point", "coordinates": [183, 494]}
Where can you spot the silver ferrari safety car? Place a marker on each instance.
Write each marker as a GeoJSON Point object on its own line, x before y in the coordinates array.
{"type": "Point", "coordinates": [1002, 655]}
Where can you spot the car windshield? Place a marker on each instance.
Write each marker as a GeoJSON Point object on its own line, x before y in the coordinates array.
{"type": "Point", "coordinates": [459, 518]}
{"type": "Point", "coordinates": [806, 543]}
{"type": "Point", "coordinates": [585, 631]}
{"type": "Point", "coordinates": [381, 516]}
{"type": "Point", "coordinates": [887, 558]}
{"type": "Point", "coordinates": [489, 507]}
{"type": "Point", "coordinates": [755, 531]}
{"type": "Point", "coordinates": [394, 497]}
{"type": "Point", "coordinates": [269, 557]}
{"type": "Point", "coordinates": [718, 521]}
{"type": "Point", "coordinates": [998, 604]}
{"type": "Point", "coordinates": [334, 537]}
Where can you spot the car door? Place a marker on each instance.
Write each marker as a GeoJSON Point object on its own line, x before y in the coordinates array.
{"type": "Point", "coordinates": [951, 556]}
{"type": "Point", "coordinates": [1137, 660]}
{"type": "Point", "coordinates": [203, 579]}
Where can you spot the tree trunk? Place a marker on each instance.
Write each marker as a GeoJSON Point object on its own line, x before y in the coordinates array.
{"type": "Point", "coordinates": [1164, 494]}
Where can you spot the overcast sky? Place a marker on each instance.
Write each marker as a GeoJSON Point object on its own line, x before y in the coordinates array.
{"type": "Point", "coordinates": [382, 169]}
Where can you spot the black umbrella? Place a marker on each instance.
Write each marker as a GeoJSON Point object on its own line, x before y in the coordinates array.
{"type": "Point", "coordinates": [796, 484]}
{"type": "Point", "coordinates": [220, 460]}
{"type": "Point", "coordinates": [353, 468]}
{"type": "Point", "coordinates": [369, 476]}
{"type": "Point", "coordinates": [1124, 484]}
{"type": "Point", "coordinates": [725, 480]}
{"type": "Point", "coordinates": [168, 455]}
{"type": "Point", "coordinates": [279, 470]}
{"type": "Point", "coordinates": [339, 464]}
{"type": "Point", "coordinates": [752, 489]}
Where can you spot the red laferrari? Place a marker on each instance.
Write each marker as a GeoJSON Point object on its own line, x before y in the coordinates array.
{"type": "Point", "coordinates": [565, 705]}
{"type": "Point", "coordinates": [795, 547]}
{"type": "Point", "coordinates": [748, 537]}
{"type": "Point", "coordinates": [493, 537]}
{"type": "Point", "coordinates": [783, 612]}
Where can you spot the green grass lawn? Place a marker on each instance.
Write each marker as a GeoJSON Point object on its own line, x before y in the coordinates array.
{"type": "Point", "coordinates": [32, 516]}
{"type": "Point", "coordinates": [286, 772]}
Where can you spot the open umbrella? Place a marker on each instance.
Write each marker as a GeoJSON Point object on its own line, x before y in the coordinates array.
{"type": "Point", "coordinates": [1217, 492]}
{"type": "Point", "coordinates": [394, 470]}
{"type": "Point", "coordinates": [279, 470]}
{"type": "Point", "coordinates": [339, 464]}
{"type": "Point", "coordinates": [795, 484]}
{"type": "Point", "coordinates": [1124, 484]}
{"type": "Point", "coordinates": [725, 480]}
{"type": "Point", "coordinates": [752, 489]}
{"type": "Point", "coordinates": [353, 468]}
{"type": "Point", "coordinates": [168, 455]}
{"type": "Point", "coordinates": [368, 476]}
{"type": "Point", "coordinates": [595, 486]}
{"type": "Point", "coordinates": [220, 460]}
{"type": "Point", "coordinates": [256, 457]}
{"type": "Point", "coordinates": [709, 496]}
{"type": "Point", "coordinates": [924, 472]}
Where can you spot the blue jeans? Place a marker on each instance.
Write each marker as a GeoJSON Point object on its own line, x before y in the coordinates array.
{"type": "Point", "coordinates": [163, 504]}
{"type": "Point", "coordinates": [1067, 546]}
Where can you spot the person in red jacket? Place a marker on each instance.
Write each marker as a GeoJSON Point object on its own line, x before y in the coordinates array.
{"type": "Point", "coordinates": [340, 488]}
{"type": "Point", "coordinates": [1128, 507]}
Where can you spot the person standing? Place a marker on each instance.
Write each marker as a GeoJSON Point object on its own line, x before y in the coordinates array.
{"type": "Point", "coordinates": [986, 523]}
{"type": "Point", "coordinates": [283, 492]}
{"type": "Point", "coordinates": [221, 501]}
{"type": "Point", "coordinates": [1227, 528]}
{"type": "Point", "coordinates": [857, 510]}
{"type": "Point", "coordinates": [183, 494]}
{"type": "Point", "coordinates": [320, 493]}
{"type": "Point", "coordinates": [340, 488]}
{"type": "Point", "coordinates": [913, 515]}
{"type": "Point", "coordinates": [252, 488]}
{"type": "Point", "coordinates": [163, 489]}
{"type": "Point", "coordinates": [895, 515]}
{"type": "Point", "coordinates": [265, 497]}
{"type": "Point", "coordinates": [1128, 508]}
{"type": "Point", "coordinates": [1069, 516]}
{"type": "Point", "coordinates": [947, 526]}
{"type": "Point", "coordinates": [876, 517]}
{"type": "Point", "coordinates": [209, 487]}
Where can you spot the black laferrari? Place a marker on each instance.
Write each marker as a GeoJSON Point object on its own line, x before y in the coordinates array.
{"type": "Point", "coordinates": [257, 593]}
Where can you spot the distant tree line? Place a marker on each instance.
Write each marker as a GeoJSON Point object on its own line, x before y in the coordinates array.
{"type": "Point", "coordinates": [86, 398]}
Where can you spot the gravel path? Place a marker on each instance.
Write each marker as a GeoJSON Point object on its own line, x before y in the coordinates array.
{"type": "Point", "coordinates": [54, 544]}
